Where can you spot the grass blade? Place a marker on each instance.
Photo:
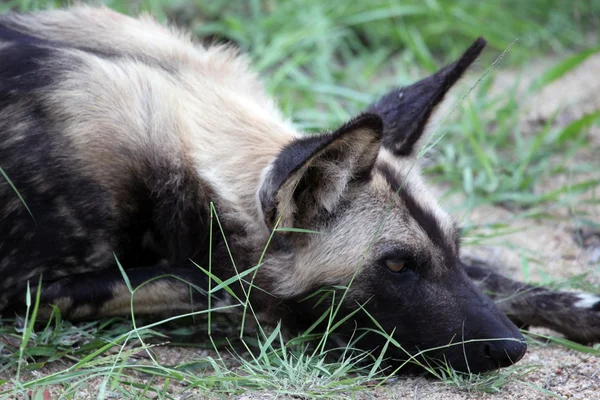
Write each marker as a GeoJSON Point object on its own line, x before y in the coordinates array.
{"type": "Point", "coordinates": [17, 193]}
{"type": "Point", "coordinates": [563, 67]}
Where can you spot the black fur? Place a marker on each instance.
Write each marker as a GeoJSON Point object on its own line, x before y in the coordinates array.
{"type": "Point", "coordinates": [15, 35]}
{"type": "Point", "coordinates": [291, 158]}
{"type": "Point", "coordinates": [299, 152]}
{"type": "Point", "coordinates": [9, 34]}
{"type": "Point", "coordinates": [26, 238]}
{"type": "Point", "coordinates": [165, 204]}
{"type": "Point", "coordinates": [94, 289]}
{"type": "Point", "coordinates": [428, 304]}
{"type": "Point", "coordinates": [21, 71]}
{"type": "Point", "coordinates": [406, 111]}
{"type": "Point", "coordinates": [528, 305]}
{"type": "Point", "coordinates": [425, 219]}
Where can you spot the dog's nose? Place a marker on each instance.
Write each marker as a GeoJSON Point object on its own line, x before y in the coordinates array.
{"type": "Point", "coordinates": [505, 352]}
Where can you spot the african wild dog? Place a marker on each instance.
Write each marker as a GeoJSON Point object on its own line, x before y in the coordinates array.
{"type": "Point", "coordinates": [118, 133]}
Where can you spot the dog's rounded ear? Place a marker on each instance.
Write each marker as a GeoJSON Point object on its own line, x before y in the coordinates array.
{"type": "Point", "coordinates": [311, 175]}
{"type": "Point", "coordinates": [406, 112]}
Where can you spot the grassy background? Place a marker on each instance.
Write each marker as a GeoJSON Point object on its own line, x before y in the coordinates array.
{"type": "Point", "coordinates": [324, 62]}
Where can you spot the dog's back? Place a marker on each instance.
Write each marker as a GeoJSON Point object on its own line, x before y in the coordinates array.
{"type": "Point", "coordinates": [105, 123]}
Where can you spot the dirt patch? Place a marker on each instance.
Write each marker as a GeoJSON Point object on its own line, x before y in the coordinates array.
{"type": "Point", "coordinates": [552, 242]}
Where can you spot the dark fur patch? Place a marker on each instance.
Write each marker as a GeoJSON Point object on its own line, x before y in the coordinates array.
{"type": "Point", "coordinates": [50, 185]}
{"type": "Point", "coordinates": [289, 160]}
{"type": "Point", "coordinates": [425, 219]}
{"type": "Point", "coordinates": [528, 305]}
{"type": "Point", "coordinates": [300, 151]}
{"type": "Point", "coordinates": [406, 111]}
{"type": "Point", "coordinates": [173, 210]}
{"type": "Point", "coordinates": [74, 228]}
{"type": "Point", "coordinates": [22, 70]}
{"type": "Point", "coordinates": [10, 34]}
{"type": "Point", "coordinates": [77, 224]}
{"type": "Point", "coordinates": [177, 209]}
{"type": "Point", "coordinates": [94, 290]}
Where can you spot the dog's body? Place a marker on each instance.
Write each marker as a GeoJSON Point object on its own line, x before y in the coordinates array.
{"type": "Point", "coordinates": [120, 135]}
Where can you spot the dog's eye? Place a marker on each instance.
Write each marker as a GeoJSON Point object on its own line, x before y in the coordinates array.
{"type": "Point", "coordinates": [395, 265]}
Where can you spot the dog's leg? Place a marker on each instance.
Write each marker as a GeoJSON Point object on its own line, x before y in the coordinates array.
{"type": "Point", "coordinates": [575, 315]}
{"type": "Point", "coordinates": [158, 290]}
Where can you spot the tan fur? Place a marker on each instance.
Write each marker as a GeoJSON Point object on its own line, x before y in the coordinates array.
{"type": "Point", "coordinates": [376, 217]}
{"type": "Point", "coordinates": [63, 303]}
{"type": "Point", "coordinates": [199, 103]}
{"type": "Point", "coordinates": [193, 105]}
{"type": "Point", "coordinates": [409, 169]}
{"type": "Point", "coordinates": [335, 176]}
{"type": "Point", "coordinates": [82, 311]}
{"type": "Point", "coordinates": [376, 220]}
{"type": "Point", "coordinates": [158, 297]}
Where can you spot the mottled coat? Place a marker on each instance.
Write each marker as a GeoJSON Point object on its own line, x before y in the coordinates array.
{"type": "Point", "coordinates": [127, 141]}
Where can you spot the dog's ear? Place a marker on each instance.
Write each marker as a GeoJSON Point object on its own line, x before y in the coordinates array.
{"type": "Point", "coordinates": [310, 176]}
{"type": "Point", "coordinates": [406, 111]}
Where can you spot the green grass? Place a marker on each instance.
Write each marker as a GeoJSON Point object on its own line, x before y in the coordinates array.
{"type": "Point", "coordinates": [324, 62]}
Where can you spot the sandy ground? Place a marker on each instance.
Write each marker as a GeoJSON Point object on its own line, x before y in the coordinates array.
{"type": "Point", "coordinates": [553, 371]}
